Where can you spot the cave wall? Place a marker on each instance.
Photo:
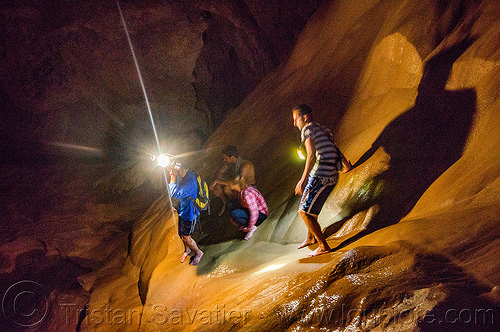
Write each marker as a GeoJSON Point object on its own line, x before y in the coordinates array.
{"type": "Point", "coordinates": [362, 65]}
{"type": "Point", "coordinates": [402, 85]}
{"type": "Point", "coordinates": [70, 94]}
{"type": "Point", "coordinates": [68, 71]}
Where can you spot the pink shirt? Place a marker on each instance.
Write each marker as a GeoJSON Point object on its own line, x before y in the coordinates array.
{"type": "Point", "coordinates": [253, 200]}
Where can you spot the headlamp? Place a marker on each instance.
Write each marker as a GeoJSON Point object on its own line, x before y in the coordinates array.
{"type": "Point", "coordinates": [300, 151]}
{"type": "Point", "coordinates": [301, 154]}
{"type": "Point", "coordinates": [163, 160]}
{"type": "Point", "coordinates": [166, 160]}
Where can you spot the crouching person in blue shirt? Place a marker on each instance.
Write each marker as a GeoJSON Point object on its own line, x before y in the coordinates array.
{"type": "Point", "coordinates": [183, 185]}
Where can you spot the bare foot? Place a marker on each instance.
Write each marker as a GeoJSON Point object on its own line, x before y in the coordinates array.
{"type": "Point", "coordinates": [319, 251]}
{"type": "Point", "coordinates": [307, 242]}
{"type": "Point", "coordinates": [196, 259]}
{"type": "Point", "coordinates": [185, 254]}
{"type": "Point", "coordinates": [250, 232]}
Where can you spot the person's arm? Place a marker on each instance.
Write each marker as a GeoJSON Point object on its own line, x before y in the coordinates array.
{"type": "Point", "coordinates": [182, 191]}
{"type": "Point", "coordinates": [175, 188]}
{"type": "Point", "coordinates": [219, 177]}
{"type": "Point", "coordinates": [173, 177]}
{"type": "Point", "coordinates": [172, 185]}
{"type": "Point", "coordinates": [310, 159]}
{"type": "Point", "coordinates": [253, 207]}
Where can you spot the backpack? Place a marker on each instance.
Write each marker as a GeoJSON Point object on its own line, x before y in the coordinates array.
{"type": "Point", "coordinates": [202, 202]}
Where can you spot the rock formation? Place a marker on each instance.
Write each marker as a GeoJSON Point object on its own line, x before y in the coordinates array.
{"type": "Point", "coordinates": [411, 91]}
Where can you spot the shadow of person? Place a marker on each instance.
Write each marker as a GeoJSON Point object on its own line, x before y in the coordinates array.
{"type": "Point", "coordinates": [422, 142]}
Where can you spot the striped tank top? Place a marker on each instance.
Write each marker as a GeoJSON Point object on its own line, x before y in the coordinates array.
{"type": "Point", "coordinates": [328, 156]}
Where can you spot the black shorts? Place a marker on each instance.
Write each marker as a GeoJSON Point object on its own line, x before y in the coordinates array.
{"type": "Point", "coordinates": [186, 228]}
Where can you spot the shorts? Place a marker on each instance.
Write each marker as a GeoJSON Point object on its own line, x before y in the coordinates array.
{"type": "Point", "coordinates": [186, 228]}
{"type": "Point", "coordinates": [316, 193]}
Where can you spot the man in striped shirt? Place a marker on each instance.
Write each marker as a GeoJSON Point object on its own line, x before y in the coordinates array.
{"type": "Point", "coordinates": [252, 210]}
{"type": "Point", "coordinates": [323, 163]}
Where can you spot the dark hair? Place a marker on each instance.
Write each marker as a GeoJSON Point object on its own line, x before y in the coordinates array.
{"type": "Point", "coordinates": [303, 110]}
{"type": "Point", "coordinates": [230, 151]}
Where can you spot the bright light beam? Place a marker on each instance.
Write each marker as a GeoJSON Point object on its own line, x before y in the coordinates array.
{"type": "Point", "coordinates": [76, 147]}
{"type": "Point", "coordinates": [272, 267]}
{"type": "Point", "coordinates": [139, 74]}
{"type": "Point", "coordinates": [143, 90]}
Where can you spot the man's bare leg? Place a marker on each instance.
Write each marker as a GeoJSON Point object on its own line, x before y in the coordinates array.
{"type": "Point", "coordinates": [188, 240]}
{"type": "Point", "coordinates": [186, 253]}
{"type": "Point", "coordinates": [314, 228]}
{"type": "Point", "coordinates": [310, 239]}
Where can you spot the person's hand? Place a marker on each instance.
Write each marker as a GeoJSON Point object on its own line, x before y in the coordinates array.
{"type": "Point", "coordinates": [172, 176]}
{"type": "Point", "coordinates": [347, 167]}
{"type": "Point", "coordinates": [299, 188]}
{"type": "Point", "coordinates": [212, 186]}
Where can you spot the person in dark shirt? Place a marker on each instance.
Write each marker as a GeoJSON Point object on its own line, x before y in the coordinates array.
{"type": "Point", "coordinates": [236, 169]}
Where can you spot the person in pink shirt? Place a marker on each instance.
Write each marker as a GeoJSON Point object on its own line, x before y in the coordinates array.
{"type": "Point", "coordinates": [252, 210]}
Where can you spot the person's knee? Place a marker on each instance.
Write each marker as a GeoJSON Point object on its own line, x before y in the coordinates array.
{"type": "Point", "coordinates": [308, 216]}
{"type": "Point", "coordinates": [239, 215]}
{"type": "Point", "coordinates": [186, 238]}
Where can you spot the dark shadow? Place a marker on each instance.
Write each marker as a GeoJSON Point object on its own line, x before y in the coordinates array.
{"type": "Point", "coordinates": [462, 311]}
{"type": "Point", "coordinates": [335, 227]}
{"type": "Point", "coordinates": [81, 317]}
{"type": "Point", "coordinates": [422, 143]}
{"type": "Point", "coordinates": [217, 230]}
{"type": "Point", "coordinates": [467, 306]}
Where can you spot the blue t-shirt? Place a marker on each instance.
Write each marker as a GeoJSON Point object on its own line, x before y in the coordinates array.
{"type": "Point", "coordinates": [186, 190]}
